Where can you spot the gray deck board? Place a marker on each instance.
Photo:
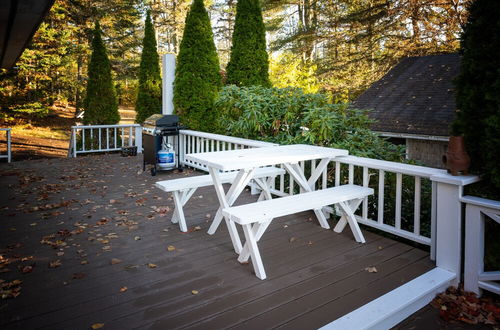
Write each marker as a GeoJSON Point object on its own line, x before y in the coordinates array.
{"type": "Point", "coordinates": [313, 279]}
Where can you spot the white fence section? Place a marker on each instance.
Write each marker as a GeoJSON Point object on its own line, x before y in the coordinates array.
{"type": "Point", "coordinates": [477, 212]}
{"type": "Point", "coordinates": [195, 142]}
{"type": "Point", "coordinates": [8, 140]}
{"type": "Point", "coordinates": [103, 138]}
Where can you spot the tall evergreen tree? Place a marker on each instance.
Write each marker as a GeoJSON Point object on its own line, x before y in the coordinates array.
{"type": "Point", "coordinates": [478, 89]}
{"type": "Point", "coordinates": [197, 76]}
{"type": "Point", "coordinates": [249, 62]}
{"type": "Point", "coordinates": [101, 105]}
{"type": "Point", "coordinates": [149, 95]}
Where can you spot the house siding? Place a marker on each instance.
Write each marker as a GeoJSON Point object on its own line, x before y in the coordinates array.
{"type": "Point", "coordinates": [430, 153]}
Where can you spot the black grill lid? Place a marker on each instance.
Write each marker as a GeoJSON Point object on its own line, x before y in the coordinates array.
{"type": "Point", "coordinates": [159, 120]}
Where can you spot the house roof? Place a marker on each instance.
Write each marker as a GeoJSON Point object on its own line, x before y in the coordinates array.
{"type": "Point", "coordinates": [414, 97]}
{"type": "Point", "coordinates": [19, 20]}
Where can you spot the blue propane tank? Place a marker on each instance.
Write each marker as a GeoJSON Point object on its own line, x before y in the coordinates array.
{"type": "Point", "coordinates": [166, 158]}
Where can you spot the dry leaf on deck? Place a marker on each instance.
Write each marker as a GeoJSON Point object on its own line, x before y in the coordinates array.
{"type": "Point", "coordinates": [97, 326]}
{"type": "Point", "coordinates": [115, 261]}
{"type": "Point", "coordinates": [123, 289]}
{"type": "Point", "coordinates": [150, 265]}
{"type": "Point", "coordinates": [55, 263]}
{"type": "Point", "coordinates": [170, 248]}
{"type": "Point", "coordinates": [194, 292]}
{"type": "Point", "coordinates": [371, 269]}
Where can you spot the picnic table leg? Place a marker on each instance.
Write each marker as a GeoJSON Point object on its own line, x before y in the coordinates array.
{"type": "Point", "coordinates": [231, 196]}
{"type": "Point", "coordinates": [258, 230]}
{"type": "Point", "coordinates": [180, 199]}
{"type": "Point", "coordinates": [351, 219]}
{"type": "Point", "coordinates": [251, 240]}
{"type": "Point", "coordinates": [296, 172]}
{"type": "Point", "coordinates": [226, 200]}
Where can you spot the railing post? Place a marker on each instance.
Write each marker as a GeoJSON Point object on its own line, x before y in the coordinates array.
{"type": "Point", "coordinates": [9, 150]}
{"type": "Point", "coordinates": [138, 139]}
{"type": "Point", "coordinates": [448, 233]}
{"type": "Point", "coordinates": [74, 141]}
{"type": "Point", "coordinates": [474, 248]}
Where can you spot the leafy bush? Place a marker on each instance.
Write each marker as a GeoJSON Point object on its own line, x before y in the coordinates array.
{"type": "Point", "coordinates": [288, 115]}
{"type": "Point", "coordinates": [149, 95]}
{"type": "Point", "coordinates": [197, 78]}
{"type": "Point", "coordinates": [249, 62]}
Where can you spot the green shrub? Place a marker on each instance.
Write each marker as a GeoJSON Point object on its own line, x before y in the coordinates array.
{"type": "Point", "coordinates": [288, 115]}
{"type": "Point", "coordinates": [149, 95]}
{"type": "Point", "coordinates": [478, 90]}
{"type": "Point", "coordinates": [249, 63]}
{"type": "Point", "coordinates": [100, 104]}
{"type": "Point", "coordinates": [197, 77]}
{"type": "Point", "coordinates": [35, 109]}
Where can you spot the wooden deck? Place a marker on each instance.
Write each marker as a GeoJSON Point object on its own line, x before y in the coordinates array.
{"type": "Point", "coordinates": [109, 227]}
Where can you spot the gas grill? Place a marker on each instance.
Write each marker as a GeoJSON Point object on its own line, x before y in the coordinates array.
{"type": "Point", "coordinates": [155, 132]}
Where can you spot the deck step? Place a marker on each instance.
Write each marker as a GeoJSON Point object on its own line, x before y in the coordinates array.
{"type": "Point", "coordinates": [395, 306]}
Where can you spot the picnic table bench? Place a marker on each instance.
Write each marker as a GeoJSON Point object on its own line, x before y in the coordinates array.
{"type": "Point", "coordinates": [183, 189]}
{"type": "Point", "coordinates": [256, 217]}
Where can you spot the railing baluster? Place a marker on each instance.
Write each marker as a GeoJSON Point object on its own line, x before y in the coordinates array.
{"type": "Point", "coordinates": [130, 137]}
{"type": "Point", "coordinates": [212, 145]}
{"type": "Point", "coordinates": [313, 167]}
{"type": "Point", "coordinates": [366, 182]}
{"type": "Point", "coordinates": [416, 208]}
{"type": "Point", "coordinates": [74, 142]}
{"type": "Point", "coordinates": [325, 177]}
{"type": "Point", "coordinates": [399, 188]}
{"type": "Point", "coordinates": [337, 174]}
{"type": "Point", "coordinates": [83, 139]}
{"type": "Point", "coordinates": [91, 139]}
{"type": "Point", "coordinates": [115, 134]}
{"type": "Point", "coordinates": [351, 174]}
{"type": "Point", "coordinates": [282, 181]}
{"type": "Point", "coordinates": [122, 136]}
{"type": "Point", "coordinates": [100, 140]}
{"type": "Point", "coordinates": [107, 138]}
{"type": "Point", "coordinates": [381, 187]}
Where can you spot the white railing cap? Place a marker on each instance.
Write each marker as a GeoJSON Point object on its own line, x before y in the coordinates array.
{"type": "Point", "coordinates": [104, 126]}
{"type": "Point", "coordinates": [458, 180]}
{"type": "Point", "coordinates": [482, 202]}
{"type": "Point", "coordinates": [230, 139]}
{"type": "Point", "coordinates": [421, 171]}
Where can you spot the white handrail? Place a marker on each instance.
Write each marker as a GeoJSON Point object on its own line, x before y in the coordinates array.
{"type": "Point", "coordinates": [104, 138]}
{"type": "Point", "coordinates": [476, 211]}
{"type": "Point", "coordinates": [8, 137]}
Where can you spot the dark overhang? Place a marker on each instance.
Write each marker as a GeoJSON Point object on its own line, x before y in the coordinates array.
{"type": "Point", "coordinates": [19, 20]}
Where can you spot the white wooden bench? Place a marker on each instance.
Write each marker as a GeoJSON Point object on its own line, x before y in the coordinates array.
{"type": "Point", "coordinates": [256, 217]}
{"type": "Point", "coordinates": [183, 188]}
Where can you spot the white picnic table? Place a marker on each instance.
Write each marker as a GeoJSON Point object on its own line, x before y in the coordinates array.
{"type": "Point", "coordinates": [246, 161]}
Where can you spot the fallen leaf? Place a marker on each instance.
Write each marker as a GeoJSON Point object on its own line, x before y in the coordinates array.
{"type": "Point", "coordinates": [170, 248]}
{"type": "Point", "coordinates": [137, 238]}
{"type": "Point", "coordinates": [123, 289]}
{"type": "Point", "coordinates": [55, 263]}
{"type": "Point", "coordinates": [194, 292]}
{"type": "Point", "coordinates": [208, 215]}
{"type": "Point", "coordinates": [97, 326]}
{"type": "Point", "coordinates": [292, 239]}
{"type": "Point", "coordinates": [197, 228]}
{"type": "Point", "coordinates": [150, 265]}
{"type": "Point", "coordinates": [84, 262]}
{"type": "Point", "coordinates": [27, 269]}
{"type": "Point", "coordinates": [78, 276]}
{"type": "Point", "coordinates": [371, 269]}
{"type": "Point", "coordinates": [115, 261]}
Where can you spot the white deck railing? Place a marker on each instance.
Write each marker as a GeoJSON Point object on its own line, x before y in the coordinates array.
{"type": "Point", "coordinates": [196, 142]}
{"type": "Point", "coordinates": [406, 180]}
{"type": "Point", "coordinates": [103, 138]}
{"type": "Point", "coordinates": [8, 141]}
{"type": "Point", "coordinates": [477, 211]}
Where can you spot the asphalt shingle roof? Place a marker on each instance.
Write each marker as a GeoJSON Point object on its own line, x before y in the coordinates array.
{"type": "Point", "coordinates": [414, 97]}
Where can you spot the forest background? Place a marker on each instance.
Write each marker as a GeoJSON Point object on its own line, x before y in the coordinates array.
{"type": "Point", "coordinates": [336, 47]}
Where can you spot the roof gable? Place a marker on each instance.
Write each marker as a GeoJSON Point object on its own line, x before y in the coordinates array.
{"type": "Point", "coordinates": [414, 97]}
